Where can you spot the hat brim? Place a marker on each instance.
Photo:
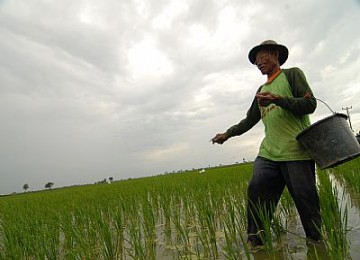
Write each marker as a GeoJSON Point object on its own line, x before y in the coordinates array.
{"type": "Point", "coordinates": [283, 52]}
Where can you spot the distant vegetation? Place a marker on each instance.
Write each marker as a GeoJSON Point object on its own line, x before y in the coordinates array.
{"type": "Point", "coordinates": [26, 186]}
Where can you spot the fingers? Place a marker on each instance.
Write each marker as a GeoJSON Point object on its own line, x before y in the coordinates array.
{"type": "Point", "coordinates": [215, 139]}
{"type": "Point", "coordinates": [219, 138]}
{"type": "Point", "coordinates": [266, 98]}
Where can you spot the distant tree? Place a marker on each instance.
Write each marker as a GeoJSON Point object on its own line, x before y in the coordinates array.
{"type": "Point", "coordinates": [111, 179]}
{"type": "Point", "coordinates": [49, 185]}
{"type": "Point", "coordinates": [26, 186]}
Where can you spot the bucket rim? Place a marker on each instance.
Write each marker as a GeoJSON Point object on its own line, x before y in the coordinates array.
{"type": "Point", "coordinates": [341, 161]}
{"type": "Point", "coordinates": [319, 122]}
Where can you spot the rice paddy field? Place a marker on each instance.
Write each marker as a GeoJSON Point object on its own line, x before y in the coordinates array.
{"type": "Point", "coordinates": [188, 215]}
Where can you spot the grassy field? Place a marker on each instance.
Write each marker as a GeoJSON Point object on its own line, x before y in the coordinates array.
{"type": "Point", "coordinates": [187, 215]}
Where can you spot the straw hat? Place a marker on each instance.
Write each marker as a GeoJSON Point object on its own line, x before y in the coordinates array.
{"type": "Point", "coordinates": [270, 45]}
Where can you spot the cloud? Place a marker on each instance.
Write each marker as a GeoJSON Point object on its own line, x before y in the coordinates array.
{"type": "Point", "coordinates": [95, 89]}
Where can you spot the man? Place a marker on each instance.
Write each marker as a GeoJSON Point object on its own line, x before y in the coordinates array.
{"type": "Point", "coordinates": [283, 104]}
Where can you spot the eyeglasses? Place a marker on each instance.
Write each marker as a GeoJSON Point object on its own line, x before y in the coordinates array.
{"type": "Point", "coordinates": [261, 58]}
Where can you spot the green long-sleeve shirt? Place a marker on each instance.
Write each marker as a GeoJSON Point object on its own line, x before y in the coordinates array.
{"type": "Point", "coordinates": [284, 119]}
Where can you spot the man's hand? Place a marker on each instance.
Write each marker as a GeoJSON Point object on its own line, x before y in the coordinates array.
{"type": "Point", "coordinates": [220, 138]}
{"type": "Point", "coordinates": [266, 98]}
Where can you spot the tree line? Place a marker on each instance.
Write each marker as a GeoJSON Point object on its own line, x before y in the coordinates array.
{"type": "Point", "coordinates": [49, 184]}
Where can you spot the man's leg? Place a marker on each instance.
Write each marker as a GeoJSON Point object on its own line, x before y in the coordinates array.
{"type": "Point", "coordinates": [264, 192]}
{"type": "Point", "coordinates": [300, 180]}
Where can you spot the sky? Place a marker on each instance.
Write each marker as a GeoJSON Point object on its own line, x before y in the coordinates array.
{"type": "Point", "coordinates": [125, 89]}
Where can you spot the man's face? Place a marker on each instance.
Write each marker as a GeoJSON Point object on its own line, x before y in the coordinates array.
{"type": "Point", "coordinates": [266, 61]}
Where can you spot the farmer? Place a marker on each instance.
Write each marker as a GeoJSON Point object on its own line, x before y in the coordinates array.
{"type": "Point", "coordinates": [283, 103]}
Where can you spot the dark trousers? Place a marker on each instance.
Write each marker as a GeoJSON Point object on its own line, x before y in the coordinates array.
{"type": "Point", "coordinates": [265, 189]}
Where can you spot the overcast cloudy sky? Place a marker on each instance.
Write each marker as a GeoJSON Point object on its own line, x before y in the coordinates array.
{"type": "Point", "coordinates": [95, 89]}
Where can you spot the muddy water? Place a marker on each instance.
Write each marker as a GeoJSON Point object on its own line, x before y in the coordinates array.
{"type": "Point", "coordinates": [351, 200]}
{"type": "Point", "coordinates": [354, 233]}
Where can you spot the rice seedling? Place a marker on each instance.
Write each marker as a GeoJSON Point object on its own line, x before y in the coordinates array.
{"type": "Point", "coordinates": [334, 224]}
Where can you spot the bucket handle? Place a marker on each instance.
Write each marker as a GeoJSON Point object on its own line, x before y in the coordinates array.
{"type": "Point", "coordinates": [325, 105]}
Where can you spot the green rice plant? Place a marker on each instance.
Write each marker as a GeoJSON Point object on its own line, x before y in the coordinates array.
{"type": "Point", "coordinates": [119, 236]}
{"type": "Point", "coordinates": [234, 230]}
{"type": "Point", "coordinates": [207, 225]}
{"type": "Point", "coordinates": [165, 206]}
{"type": "Point", "coordinates": [265, 219]}
{"type": "Point", "coordinates": [149, 226]}
{"type": "Point", "coordinates": [109, 247]}
{"type": "Point", "coordinates": [350, 173]}
{"type": "Point", "coordinates": [181, 231]}
{"type": "Point", "coordinates": [230, 232]}
{"type": "Point", "coordinates": [334, 218]}
{"type": "Point", "coordinates": [80, 235]}
{"type": "Point", "coordinates": [137, 248]}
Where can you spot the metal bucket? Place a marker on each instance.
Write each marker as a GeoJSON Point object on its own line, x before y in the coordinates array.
{"type": "Point", "coordinates": [330, 141]}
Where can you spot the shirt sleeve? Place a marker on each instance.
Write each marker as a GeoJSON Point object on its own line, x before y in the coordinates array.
{"type": "Point", "coordinates": [253, 116]}
{"type": "Point", "coordinates": [303, 101]}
